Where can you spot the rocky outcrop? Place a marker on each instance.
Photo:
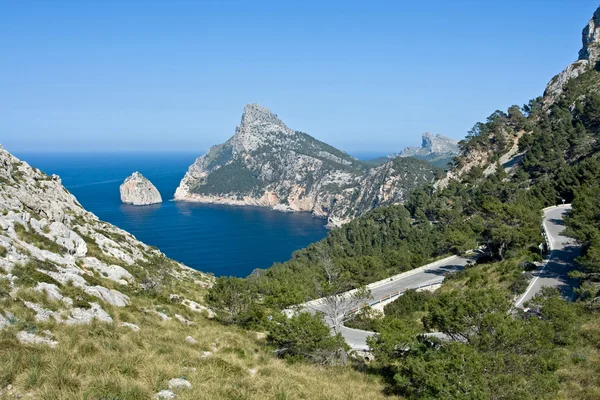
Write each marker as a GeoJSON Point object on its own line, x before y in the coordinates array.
{"type": "Point", "coordinates": [50, 245]}
{"type": "Point", "coordinates": [431, 145]}
{"type": "Point", "coordinates": [139, 191]}
{"type": "Point", "coordinates": [268, 164]}
{"type": "Point", "coordinates": [589, 55]}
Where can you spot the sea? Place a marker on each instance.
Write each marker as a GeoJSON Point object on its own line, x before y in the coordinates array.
{"type": "Point", "coordinates": [223, 240]}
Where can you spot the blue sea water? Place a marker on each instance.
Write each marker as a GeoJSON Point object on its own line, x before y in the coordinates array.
{"type": "Point", "coordinates": [223, 240]}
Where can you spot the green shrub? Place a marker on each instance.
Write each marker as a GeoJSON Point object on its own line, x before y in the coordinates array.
{"type": "Point", "coordinates": [37, 240]}
{"type": "Point", "coordinates": [29, 274]}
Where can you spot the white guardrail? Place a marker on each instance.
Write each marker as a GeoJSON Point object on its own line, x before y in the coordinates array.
{"type": "Point", "coordinates": [389, 297]}
{"type": "Point", "coordinates": [316, 302]}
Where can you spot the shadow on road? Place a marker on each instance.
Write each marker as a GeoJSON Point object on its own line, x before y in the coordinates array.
{"type": "Point", "coordinates": [557, 269]}
{"type": "Point", "coordinates": [444, 270]}
{"type": "Point", "coordinates": [557, 221]}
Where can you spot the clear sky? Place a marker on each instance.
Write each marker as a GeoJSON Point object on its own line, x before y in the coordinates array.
{"type": "Point", "coordinates": [363, 76]}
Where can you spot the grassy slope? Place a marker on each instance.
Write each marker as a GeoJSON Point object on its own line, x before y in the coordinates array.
{"type": "Point", "coordinates": [111, 361]}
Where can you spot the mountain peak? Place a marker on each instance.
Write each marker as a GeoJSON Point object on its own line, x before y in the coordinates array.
{"type": "Point", "coordinates": [438, 143]}
{"type": "Point", "coordinates": [590, 38]}
{"type": "Point", "coordinates": [430, 144]}
{"type": "Point", "coordinates": [256, 113]}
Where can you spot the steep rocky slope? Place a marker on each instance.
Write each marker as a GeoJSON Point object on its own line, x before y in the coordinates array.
{"type": "Point", "coordinates": [497, 142]}
{"type": "Point", "coordinates": [268, 164]}
{"type": "Point", "coordinates": [139, 191]}
{"type": "Point", "coordinates": [88, 311]}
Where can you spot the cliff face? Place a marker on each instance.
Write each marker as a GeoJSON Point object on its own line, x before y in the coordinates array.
{"type": "Point", "coordinates": [139, 191]}
{"type": "Point", "coordinates": [498, 140]}
{"type": "Point", "coordinates": [589, 55]}
{"type": "Point", "coordinates": [267, 164]}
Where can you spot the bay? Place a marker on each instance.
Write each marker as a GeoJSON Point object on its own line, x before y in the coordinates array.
{"type": "Point", "coordinates": [224, 240]}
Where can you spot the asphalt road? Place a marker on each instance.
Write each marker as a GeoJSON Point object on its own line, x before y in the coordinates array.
{"type": "Point", "coordinates": [357, 339]}
{"type": "Point", "coordinates": [563, 252]}
{"type": "Point", "coordinates": [554, 273]}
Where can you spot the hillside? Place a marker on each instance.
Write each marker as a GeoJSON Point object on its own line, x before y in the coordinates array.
{"type": "Point", "coordinates": [510, 167]}
{"type": "Point", "coordinates": [87, 311]}
{"type": "Point", "coordinates": [268, 164]}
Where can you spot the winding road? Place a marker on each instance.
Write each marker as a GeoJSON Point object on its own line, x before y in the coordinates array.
{"type": "Point", "coordinates": [561, 261]}
{"type": "Point", "coordinates": [553, 273]}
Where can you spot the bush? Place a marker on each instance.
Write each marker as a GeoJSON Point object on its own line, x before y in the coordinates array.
{"type": "Point", "coordinates": [306, 336]}
{"type": "Point", "coordinates": [520, 284]}
{"type": "Point", "coordinates": [29, 274]}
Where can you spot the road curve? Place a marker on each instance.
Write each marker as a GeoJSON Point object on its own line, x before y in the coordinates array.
{"type": "Point", "coordinates": [433, 274]}
{"type": "Point", "coordinates": [554, 273]}
{"type": "Point", "coordinates": [561, 261]}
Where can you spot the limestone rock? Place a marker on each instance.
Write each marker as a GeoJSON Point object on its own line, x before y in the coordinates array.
{"type": "Point", "coordinates": [30, 338]}
{"type": "Point", "coordinates": [131, 326]}
{"type": "Point", "coordinates": [589, 55]}
{"type": "Point", "coordinates": [139, 191]}
{"type": "Point", "coordinates": [165, 395]}
{"type": "Point", "coordinates": [431, 144]}
{"type": "Point", "coordinates": [590, 38]}
{"type": "Point", "coordinates": [191, 340]}
{"type": "Point", "coordinates": [265, 163]}
{"type": "Point", "coordinates": [3, 321]}
{"type": "Point", "coordinates": [183, 320]}
{"type": "Point", "coordinates": [179, 383]}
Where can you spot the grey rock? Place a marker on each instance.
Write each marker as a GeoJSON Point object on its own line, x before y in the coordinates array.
{"type": "Point", "coordinates": [30, 338]}
{"type": "Point", "coordinates": [113, 272]}
{"type": "Point", "coordinates": [179, 383]}
{"type": "Point", "coordinates": [53, 293]}
{"type": "Point", "coordinates": [131, 326]}
{"type": "Point", "coordinates": [191, 340]}
{"type": "Point", "coordinates": [4, 321]}
{"type": "Point", "coordinates": [431, 144]}
{"type": "Point", "coordinates": [289, 170]}
{"type": "Point", "coordinates": [85, 316]}
{"type": "Point", "coordinates": [165, 395]}
{"type": "Point", "coordinates": [589, 55]}
{"type": "Point", "coordinates": [139, 191]}
{"type": "Point", "coordinates": [110, 296]}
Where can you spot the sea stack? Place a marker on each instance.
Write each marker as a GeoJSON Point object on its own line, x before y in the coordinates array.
{"type": "Point", "coordinates": [139, 191]}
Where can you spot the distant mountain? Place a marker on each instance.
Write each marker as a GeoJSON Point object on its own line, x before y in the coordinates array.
{"type": "Point", "coordinates": [437, 150]}
{"type": "Point", "coordinates": [265, 163]}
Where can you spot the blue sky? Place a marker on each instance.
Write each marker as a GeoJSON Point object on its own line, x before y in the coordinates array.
{"type": "Point", "coordinates": [363, 76]}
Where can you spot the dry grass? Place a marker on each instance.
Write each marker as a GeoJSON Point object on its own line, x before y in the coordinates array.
{"type": "Point", "coordinates": [107, 361]}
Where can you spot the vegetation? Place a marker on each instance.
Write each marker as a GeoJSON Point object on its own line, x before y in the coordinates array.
{"type": "Point", "coordinates": [37, 240]}
{"type": "Point", "coordinates": [494, 351]}
{"type": "Point", "coordinates": [230, 178]}
{"type": "Point", "coordinates": [108, 361]}
{"type": "Point", "coordinates": [306, 337]}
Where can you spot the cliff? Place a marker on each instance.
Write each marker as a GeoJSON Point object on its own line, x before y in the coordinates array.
{"type": "Point", "coordinates": [265, 163]}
